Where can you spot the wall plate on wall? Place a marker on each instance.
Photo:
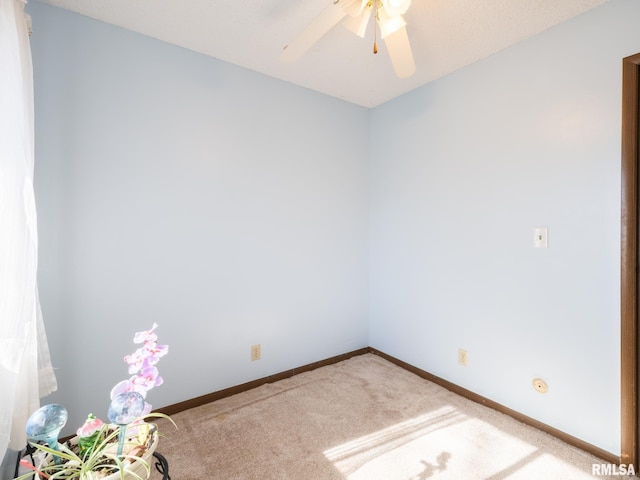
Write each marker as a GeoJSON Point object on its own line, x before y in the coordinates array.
{"type": "Point", "coordinates": [540, 385]}
{"type": "Point", "coordinates": [540, 237]}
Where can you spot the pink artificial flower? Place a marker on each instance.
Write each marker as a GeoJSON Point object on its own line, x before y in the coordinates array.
{"type": "Point", "coordinates": [141, 366]}
{"type": "Point", "coordinates": [128, 386]}
{"type": "Point", "coordinates": [148, 378]}
{"type": "Point", "coordinates": [135, 360]}
{"type": "Point", "coordinates": [155, 351]}
{"type": "Point", "coordinates": [148, 354]}
{"type": "Point", "coordinates": [146, 336]}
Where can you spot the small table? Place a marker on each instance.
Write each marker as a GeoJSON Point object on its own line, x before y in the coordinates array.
{"type": "Point", "coordinates": [162, 465]}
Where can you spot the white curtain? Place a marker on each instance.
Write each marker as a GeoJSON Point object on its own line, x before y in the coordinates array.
{"type": "Point", "coordinates": [25, 367]}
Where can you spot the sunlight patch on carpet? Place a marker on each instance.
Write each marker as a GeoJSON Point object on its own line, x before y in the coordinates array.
{"type": "Point", "coordinates": [445, 443]}
{"type": "Point", "coordinates": [369, 450]}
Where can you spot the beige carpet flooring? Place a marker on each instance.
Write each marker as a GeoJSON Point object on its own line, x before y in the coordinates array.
{"type": "Point", "coordinates": [361, 419]}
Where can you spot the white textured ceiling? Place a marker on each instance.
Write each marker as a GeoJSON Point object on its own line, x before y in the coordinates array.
{"type": "Point", "coordinates": [445, 35]}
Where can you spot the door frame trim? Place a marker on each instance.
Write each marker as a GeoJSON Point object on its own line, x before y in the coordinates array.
{"type": "Point", "coordinates": [629, 283]}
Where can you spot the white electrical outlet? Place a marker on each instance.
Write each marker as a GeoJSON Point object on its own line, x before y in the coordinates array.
{"type": "Point", "coordinates": [462, 357]}
{"type": "Point", "coordinates": [255, 352]}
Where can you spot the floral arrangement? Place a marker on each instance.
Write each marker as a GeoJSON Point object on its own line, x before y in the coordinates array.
{"type": "Point", "coordinates": [142, 365]}
{"type": "Point", "coordinates": [102, 450]}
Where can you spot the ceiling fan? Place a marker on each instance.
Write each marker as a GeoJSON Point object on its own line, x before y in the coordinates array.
{"type": "Point", "coordinates": [355, 15]}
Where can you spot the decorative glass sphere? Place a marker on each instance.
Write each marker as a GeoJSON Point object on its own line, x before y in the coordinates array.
{"type": "Point", "coordinates": [45, 424]}
{"type": "Point", "coordinates": [125, 408]}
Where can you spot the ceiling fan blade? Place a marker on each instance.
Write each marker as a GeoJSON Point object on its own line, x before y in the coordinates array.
{"type": "Point", "coordinates": [399, 49]}
{"type": "Point", "coordinates": [324, 22]}
{"type": "Point", "coordinates": [354, 8]}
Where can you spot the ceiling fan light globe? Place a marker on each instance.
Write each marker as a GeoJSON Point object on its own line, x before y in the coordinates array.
{"type": "Point", "coordinates": [396, 7]}
{"type": "Point", "coordinates": [389, 24]}
{"type": "Point", "coordinates": [354, 8]}
{"type": "Point", "coordinates": [358, 25]}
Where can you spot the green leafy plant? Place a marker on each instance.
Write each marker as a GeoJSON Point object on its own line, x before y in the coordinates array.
{"type": "Point", "coordinates": [70, 462]}
{"type": "Point", "coordinates": [97, 450]}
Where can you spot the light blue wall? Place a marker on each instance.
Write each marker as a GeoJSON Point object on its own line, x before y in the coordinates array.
{"type": "Point", "coordinates": [462, 171]}
{"type": "Point", "coordinates": [234, 209]}
{"type": "Point", "coordinates": [226, 206]}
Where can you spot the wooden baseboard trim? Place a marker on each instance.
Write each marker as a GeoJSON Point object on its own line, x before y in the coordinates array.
{"type": "Point", "coordinates": [463, 392]}
{"type": "Point", "coordinates": [468, 394]}
{"type": "Point", "coordinates": [227, 392]}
